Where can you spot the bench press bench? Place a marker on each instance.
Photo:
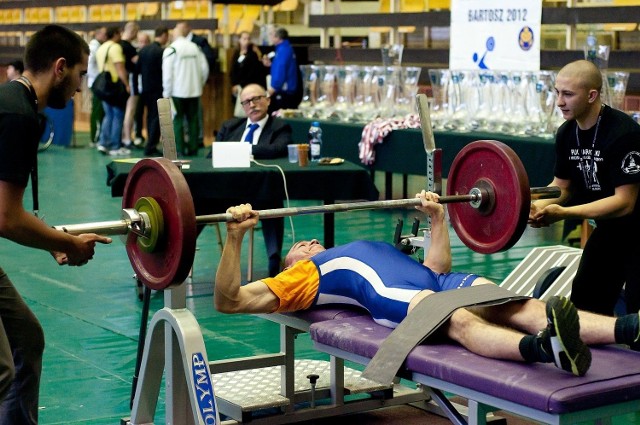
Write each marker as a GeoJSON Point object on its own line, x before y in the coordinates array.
{"type": "Point", "coordinates": [537, 391]}
{"type": "Point", "coordinates": [540, 392]}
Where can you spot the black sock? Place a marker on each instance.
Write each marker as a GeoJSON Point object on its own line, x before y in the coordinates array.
{"type": "Point", "coordinates": [627, 329]}
{"type": "Point", "coordinates": [534, 348]}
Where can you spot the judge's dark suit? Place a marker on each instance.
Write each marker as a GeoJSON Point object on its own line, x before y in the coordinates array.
{"type": "Point", "coordinates": [275, 137]}
{"type": "Point", "coordinates": [273, 141]}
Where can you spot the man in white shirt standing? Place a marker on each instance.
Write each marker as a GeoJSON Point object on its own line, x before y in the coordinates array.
{"type": "Point", "coordinates": [184, 74]}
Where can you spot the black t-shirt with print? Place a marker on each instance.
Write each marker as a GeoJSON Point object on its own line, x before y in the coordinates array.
{"type": "Point", "coordinates": [596, 170]}
{"type": "Point", "coordinates": [20, 131]}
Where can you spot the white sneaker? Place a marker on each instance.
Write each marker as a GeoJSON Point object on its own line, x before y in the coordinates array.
{"type": "Point", "coordinates": [119, 152]}
{"type": "Point", "coordinates": [126, 143]}
{"type": "Point", "coordinates": [103, 149]}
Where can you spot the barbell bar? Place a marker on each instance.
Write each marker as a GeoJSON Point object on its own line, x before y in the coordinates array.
{"type": "Point", "coordinates": [141, 223]}
{"type": "Point", "coordinates": [488, 197]}
{"type": "Point", "coordinates": [476, 196]}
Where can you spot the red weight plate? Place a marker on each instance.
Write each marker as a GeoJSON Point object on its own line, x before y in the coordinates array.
{"type": "Point", "coordinates": [499, 165]}
{"type": "Point", "coordinates": [172, 259]}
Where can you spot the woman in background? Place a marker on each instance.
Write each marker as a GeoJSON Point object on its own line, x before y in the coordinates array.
{"type": "Point", "coordinates": [246, 68]}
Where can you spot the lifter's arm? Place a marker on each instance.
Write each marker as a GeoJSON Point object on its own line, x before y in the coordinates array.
{"type": "Point", "coordinates": [229, 295]}
{"type": "Point", "coordinates": [438, 258]}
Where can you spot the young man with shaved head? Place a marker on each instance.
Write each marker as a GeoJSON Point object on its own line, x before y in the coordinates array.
{"type": "Point", "coordinates": [598, 171]}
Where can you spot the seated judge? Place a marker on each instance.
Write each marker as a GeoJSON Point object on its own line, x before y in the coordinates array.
{"type": "Point", "coordinates": [269, 137]}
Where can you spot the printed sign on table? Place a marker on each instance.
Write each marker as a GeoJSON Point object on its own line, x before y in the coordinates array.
{"type": "Point", "coordinates": [495, 34]}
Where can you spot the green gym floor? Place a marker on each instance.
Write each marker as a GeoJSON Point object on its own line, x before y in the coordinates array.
{"type": "Point", "coordinates": [91, 314]}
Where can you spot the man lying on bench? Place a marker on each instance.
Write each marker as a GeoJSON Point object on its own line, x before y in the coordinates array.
{"type": "Point", "coordinates": [387, 283]}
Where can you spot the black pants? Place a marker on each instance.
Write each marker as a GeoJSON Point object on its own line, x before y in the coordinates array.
{"type": "Point", "coordinates": [97, 114]}
{"type": "Point", "coordinates": [273, 233]}
{"type": "Point", "coordinates": [21, 348]}
{"type": "Point", "coordinates": [186, 111]}
{"type": "Point", "coordinates": [283, 100]}
{"type": "Point", "coordinates": [150, 100]}
{"type": "Point", "coordinates": [611, 259]}
{"type": "Point", "coordinates": [138, 120]}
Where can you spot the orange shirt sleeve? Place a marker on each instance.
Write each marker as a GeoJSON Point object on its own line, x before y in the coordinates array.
{"type": "Point", "coordinates": [296, 287]}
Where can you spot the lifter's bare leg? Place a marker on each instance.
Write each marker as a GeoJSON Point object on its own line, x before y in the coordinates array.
{"type": "Point", "coordinates": [559, 341]}
{"type": "Point", "coordinates": [530, 316]}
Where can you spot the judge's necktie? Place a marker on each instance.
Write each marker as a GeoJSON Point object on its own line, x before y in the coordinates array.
{"type": "Point", "coordinates": [252, 129]}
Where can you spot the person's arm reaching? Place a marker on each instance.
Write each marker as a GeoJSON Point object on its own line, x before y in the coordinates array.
{"type": "Point", "coordinates": [620, 204]}
{"type": "Point", "coordinates": [438, 257]}
{"type": "Point", "coordinates": [535, 211]}
{"type": "Point", "coordinates": [229, 295]}
{"type": "Point", "coordinates": [18, 225]}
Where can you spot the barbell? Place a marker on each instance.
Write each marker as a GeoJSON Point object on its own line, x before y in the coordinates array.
{"type": "Point", "coordinates": [488, 199]}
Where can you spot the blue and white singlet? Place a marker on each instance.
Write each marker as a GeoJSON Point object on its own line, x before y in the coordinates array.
{"type": "Point", "coordinates": [379, 278]}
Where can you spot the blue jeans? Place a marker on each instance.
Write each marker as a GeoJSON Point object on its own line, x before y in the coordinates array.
{"type": "Point", "coordinates": [111, 130]}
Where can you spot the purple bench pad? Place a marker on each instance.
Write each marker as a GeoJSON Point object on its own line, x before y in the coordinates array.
{"type": "Point", "coordinates": [320, 314]}
{"type": "Point", "coordinates": [614, 376]}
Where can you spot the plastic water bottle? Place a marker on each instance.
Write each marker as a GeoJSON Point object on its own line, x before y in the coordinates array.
{"type": "Point", "coordinates": [315, 141]}
{"type": "Point", "coordinates": [590, 48]}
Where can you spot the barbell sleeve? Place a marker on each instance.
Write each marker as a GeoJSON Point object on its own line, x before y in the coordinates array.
{"type": "Point", "coordinates": [130, 219]}
{"type": "Point", "coordinates": [547, 192]}
{"type": "Point", "coordinates": [115, 227]}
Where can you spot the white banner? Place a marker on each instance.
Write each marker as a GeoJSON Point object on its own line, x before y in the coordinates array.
{"type": "Point", "coordinates": [495, 34]}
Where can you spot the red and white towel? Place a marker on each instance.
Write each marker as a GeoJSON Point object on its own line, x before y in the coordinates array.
{"type": "Point", "coordinates": [375, 132]}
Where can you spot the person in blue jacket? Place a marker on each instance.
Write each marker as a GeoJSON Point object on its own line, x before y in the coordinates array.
{"type": "Point", "coordinates": [285, 83]}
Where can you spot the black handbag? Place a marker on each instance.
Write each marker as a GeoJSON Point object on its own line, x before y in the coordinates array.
{"type": "Point", "coordinates": [114, 93]}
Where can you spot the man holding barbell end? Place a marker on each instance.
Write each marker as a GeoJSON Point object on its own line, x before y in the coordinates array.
{"type": "Point", "coordinates": [357, 274]}
{"type": "Point", "coordinates": [598, 170]}
{"type": "Point", "coordinates": [55, 63]}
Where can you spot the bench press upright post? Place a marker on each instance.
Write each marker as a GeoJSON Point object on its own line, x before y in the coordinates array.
{"type": "Point", "coordinates": [337, 380]}
{"type": "Point", "coordinates": [287, 371]}
{"type": "Point", "coordinates": [434, 155]}
{"type": "Point", "coordinates": [175, 345]}
{"type": "Point", "coordinates": [176, 391]}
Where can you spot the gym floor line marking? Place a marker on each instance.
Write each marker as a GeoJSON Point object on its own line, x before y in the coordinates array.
{"type": "Point", "coordinates": [55, 282]}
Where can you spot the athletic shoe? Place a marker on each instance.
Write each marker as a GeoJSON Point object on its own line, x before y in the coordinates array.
{"type": "Point", "coordinates": [120, 152]}
{"type": "Point", "coordinates": [103, 149]}
{"type": "Point", "coordinates": [569, 352]}
{"type": "Point", "coordinates": [635, 344]}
